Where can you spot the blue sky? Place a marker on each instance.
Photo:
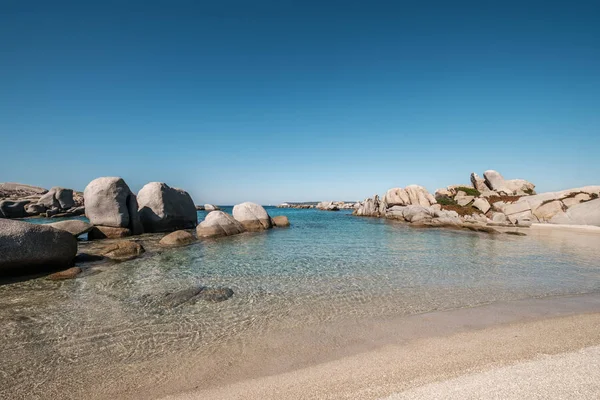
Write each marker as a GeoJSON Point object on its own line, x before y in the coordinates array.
{"type": "Point", "coordinates": [299, 100]}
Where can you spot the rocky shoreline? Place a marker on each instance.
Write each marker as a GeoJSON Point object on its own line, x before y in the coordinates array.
{"type": "Point", "coordinates": [118, 218]}
{"type": "Point", "coordinates": [485, 204]}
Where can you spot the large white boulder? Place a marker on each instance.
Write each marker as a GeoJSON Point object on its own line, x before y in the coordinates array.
{"type": "Point", "coordinates": [110, 202]}
{"type": "Point", "coordinates": [371, 207]}
{"type": "Point", "coordinates": [218, 223]}
{"type": "Point", "coordinates": [252, 216]}
{"type": "Point", "coordinates": [27, 248]}
{"type": "Point", "coordinates": [164, 209]}
{"type": "Point", "coordinates": [410, 195]}
{"type": "Point", "coordinates": [496, 182]}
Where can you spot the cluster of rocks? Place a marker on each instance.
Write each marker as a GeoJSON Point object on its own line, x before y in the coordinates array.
{"type": "Point", "coordinates": [20, 201]}
{"type": "Point", "coordinates": [488, 201]}
{"type": "Point", "coordinates": [337, 205]}
{"type": "Point", "coordinates": [115, 212]}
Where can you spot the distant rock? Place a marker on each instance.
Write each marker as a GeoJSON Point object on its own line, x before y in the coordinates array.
{"type": "Point", "coordinates": [280, 221]}
{"type": "Point", "coordinates": [164, 209]}
{"type": "Point", "coordinates": [11, 190]}
{"type": "Point", "coordinates": [34, 209]}
{"type": "Point", "coordinates": [252, 216]}
{"type": "Point", "coordinates": [210, 207]}
{"type": "Point", "coordinates": [59, 198]}
{"type": "Point", "coordinates": [26, 247]}
{"type": "Point", "coordinates": [75, 227]}
{"type": "Point", "coordinates": [496, 182]}
{"type": "Point", "coordinates": [13, 209]}
{"type": "Point", "coordinates": [109, 202]}
{"type": "Point", "coordinates": [218, 223]}
{"type": "Point", "coordinates": [410, 195]}
{"type": "Point", "coordinates": [176, 239]}
{"type": "Point", "coordinates": [371, 207]}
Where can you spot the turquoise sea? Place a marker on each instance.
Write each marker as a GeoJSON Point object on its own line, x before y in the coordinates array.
{"type": "Point", "coordinates": [327, 267]}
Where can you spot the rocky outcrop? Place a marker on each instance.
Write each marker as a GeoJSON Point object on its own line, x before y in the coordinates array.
{"type": "Point", "coordinates": [26, 248]}
{"type": "Point", "coordinates": [164, 209]}
{"type": "Point", "coordinates": [58, 198]}
{"type": "Point", "coordinates": [335, 205]}
{"type": "Point", "coordinates": [15, 191]}
{"type": "Point", "coordinates": [280, 221]}
{"type": "Point", "coordinates": [110, 203]}
{"type": "Point", "coordinates": [210, 207]}
{"type": "Point", "coordinates": [75, 227]}
{"type": "Point", "coordinates": [177, 239]}
{"type": "Point", "coordinates": [585, 213]}
{"type": "Point", "coordinates": [496, 182]}
{"type": "Point", "coordinates": [411, 195]}
{"type": "Point", "coordinates": [13, 209]}
{"type": "Point", "coordinates": [218, 223]}
{"type": "Point", "coordinates": [252, 216]}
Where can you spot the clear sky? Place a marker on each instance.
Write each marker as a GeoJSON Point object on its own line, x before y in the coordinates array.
{"type": "Point", "coordinates": [299, 100]}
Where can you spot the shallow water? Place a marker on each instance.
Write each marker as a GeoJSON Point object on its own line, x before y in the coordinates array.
{"type": "Point", "coordinates": [327, 267]}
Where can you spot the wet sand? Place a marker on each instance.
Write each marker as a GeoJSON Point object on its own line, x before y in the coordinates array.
{"type": "Point", "coordinates": [385, 358]}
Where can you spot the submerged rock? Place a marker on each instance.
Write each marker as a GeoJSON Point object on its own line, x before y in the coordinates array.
{"type": "Point", "coordinates": [215, 295]}
{"type": "Point", "coordinates": [193, 294]}
{"type": "Point", "coordinates": [252, 216]}
{"type": "Point", "coordinates": [70, 273]}
{"type": "Point", "coordinates": [108, 232]}
{"type": "Point", "coordinates": [26, 248]}
{"type": "Point", "coordinates": [123, 251]}
{"type": "Point", "coordinates": [177, 238]}
{"type": "Point", "coordinates": [164, 209]}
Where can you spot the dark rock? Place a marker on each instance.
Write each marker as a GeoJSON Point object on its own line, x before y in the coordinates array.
{"type": "Point", "coordinates": [13, 209]}
{"type": "Point", "coordinates": [27, 248]}
{"type": "Point", "coordinates": [34, 209]}
{"type": "Point", "coordinates": [182, 296]}
{"type": "Point", "coordinates": [58, 197]}
{"type": "Point", "coordinates": [515, 233]}
{"type": "Point", "coordinates": [70, 273]}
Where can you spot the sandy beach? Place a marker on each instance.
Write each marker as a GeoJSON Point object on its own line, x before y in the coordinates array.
{"type": "Point", "coordinates": [459, 351]}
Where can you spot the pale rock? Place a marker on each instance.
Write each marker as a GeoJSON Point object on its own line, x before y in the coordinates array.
{"type": "Point", "coordinates": [587, 213]}
{"type": "Point", "coordinates": [218, 223]}
{"type": "Point", "coordinates": [546, 211]}
{"type": "Point", "coordinates": [481, 204]}
{"type": "Point", "coordinates": [164, 209]}
{"type": "Point", "coordinates": [252, 216]}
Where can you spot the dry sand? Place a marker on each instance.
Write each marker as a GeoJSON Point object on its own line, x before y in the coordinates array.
{"type": "Point", "coordinates": [484, 352]}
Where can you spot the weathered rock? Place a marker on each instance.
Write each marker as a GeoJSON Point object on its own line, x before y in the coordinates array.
{"type": "Point", "coordinates": [25, 248]}
{"type": "Point", "coordinates": [70, 273]}
{"type": "Point", "coordinates": [123, 251]}
{"type": "Point", "coordinates": [280, 221]}
{"type": "Point", "coordinates": [176, 239]}
{"type": "Point", "coordinates": [164, 209]}
{"type": "Point", "coordinates": [210, 207]}
{"type": "Point", "coordinates": [108, 232]}
{"type": "Point", "coordinates": [568, 202]}
{"type": "Point", "coordinates": [496, 182]}
{"type": "Point", "coordinates": [416, 213]}
{"type": "Point", "coordinates": [13, 209]}
{"type": "Point", "coordinates": [587, 213]}
{"type": "Point", "coordinates": [371, 207]}
{"type": "Point", "coordinates": [34, 209]}
{"type": "Point", "coordinates": [479, 183]}
{"type": "Point", "coordinates": [523, 218]}
{"type": "Point", "coordinates": [252, 216]}
{"type": "Point", "coordinates": [218, 223]}
{"type": "Point", "coordinates": [411, 195]}
{"type": "Point", "coordinates": [546, 211]}
{"type": "Point", "coordinates": [109, 202]}
{"type": "Point", "coordinates": [481, 204]}
{"type": "Point", "coordinates": [499, 218]}
{"type": "Point", "coordinates": [463, 200]}
{"type": "Point", "coordinates": [11, 190]}
{"type": "Point", "coordinates": [58, 197]}
{"type": "Point", "coordinates": [75, 227]}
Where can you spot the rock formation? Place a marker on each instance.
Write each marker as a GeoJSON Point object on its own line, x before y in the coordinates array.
{"type": "Point", "coordinates": [164, 209]}
{"type": "Point", "coordinates": [110, 203]}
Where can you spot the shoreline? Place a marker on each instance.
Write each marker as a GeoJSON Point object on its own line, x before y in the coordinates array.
{"type": "Point", "coordinates": [432, 347]}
